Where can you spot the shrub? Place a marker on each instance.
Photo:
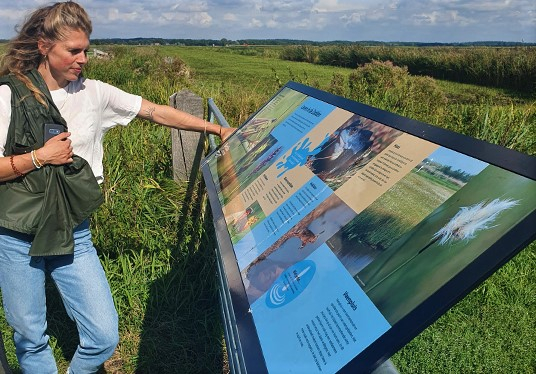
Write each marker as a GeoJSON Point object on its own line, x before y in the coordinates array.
{"type": "Point", "coordinates": [392, 88]}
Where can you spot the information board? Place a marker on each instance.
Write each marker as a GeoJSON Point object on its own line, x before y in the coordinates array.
{"type": "Point", "coordinates": [346, 230]}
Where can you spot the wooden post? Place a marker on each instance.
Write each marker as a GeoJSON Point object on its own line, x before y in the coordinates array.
{"type": "Point", "coordinates": [4, 366]}
{"type": "Point", "coordinates": [187, 146]}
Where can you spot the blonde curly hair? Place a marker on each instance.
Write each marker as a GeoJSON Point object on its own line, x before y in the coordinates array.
{"type": "Point", "coordinates": [49, 24]}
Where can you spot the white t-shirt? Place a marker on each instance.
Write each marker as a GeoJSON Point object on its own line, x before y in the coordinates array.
{"type": "Point", "coordinates": [91, 108]}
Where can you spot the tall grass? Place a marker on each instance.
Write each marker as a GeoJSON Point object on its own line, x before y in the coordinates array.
{"type": "Point", "coordinates": [155, 237]}
{"type": "Point", "coordinates": [513, 68]}
{"type": "Point", "coordinates": [381, 84]}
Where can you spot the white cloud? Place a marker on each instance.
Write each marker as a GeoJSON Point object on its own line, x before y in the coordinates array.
{"type": "Point", "coordinates": [275, 6]}
{"type": "Point", "coordinates": [435, 18]}
{"type": "Point", "coordinates": [272, 24]}
{"type": "Point", "coordinates": [230, 17]}
{"type": "Point", "coordinates": [336, 6]}
{"type": "Point", "coordinates": [12, 16]}
{"type": "Point", "coordinates": [255, 23]}
{"type": "Point", "coordinates": [486, 6]}
{"type": "Point", "coordinates": [196, 19]}
{"type": "Point", "coordinates": [201, 19]}
{"type": "Point", "coordinates": [387, 20]}
{"type": "Point", "coordinates": [357, 17]}
{"type": "Point", "coordinates": [115, 14]}
{"type": "Point", "coordinates": [186, 7]}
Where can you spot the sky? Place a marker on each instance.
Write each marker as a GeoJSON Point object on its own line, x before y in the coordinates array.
{"type": "Point", "coordinates": [458, 161]}
{"type": "Point", "coordinates": [449, 21]}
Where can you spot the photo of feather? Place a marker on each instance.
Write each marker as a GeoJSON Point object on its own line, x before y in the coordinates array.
{"type": "Point", "coordinates": [464, 226]}
{"type": "Point", "coordinates": [472, 219]}
{"type": "Point", "coordinates": [447, 241]}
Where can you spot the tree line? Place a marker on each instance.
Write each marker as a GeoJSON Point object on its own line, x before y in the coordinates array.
{"type": "Point", "coordinates": [286, 42]}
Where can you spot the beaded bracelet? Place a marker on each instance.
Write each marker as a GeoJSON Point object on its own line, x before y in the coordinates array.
{"type": "Point", "coordinates": [17, 172]}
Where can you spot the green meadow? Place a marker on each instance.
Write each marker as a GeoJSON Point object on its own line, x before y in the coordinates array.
{"type": "Point", "coordinates": [156, 241]}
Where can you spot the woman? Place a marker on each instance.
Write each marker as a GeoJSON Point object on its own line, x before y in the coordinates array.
{"type": "Point", "coordinates": [49, 188]}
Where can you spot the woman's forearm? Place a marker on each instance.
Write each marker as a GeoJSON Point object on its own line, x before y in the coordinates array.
{"type": "Point", "coordinates": [171, 117]}
{"type": "Point", "coordinates": [12, 167]}
{"type": "Point", "coordinates": [57, 151]}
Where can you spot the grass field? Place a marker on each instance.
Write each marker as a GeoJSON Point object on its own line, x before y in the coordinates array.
{"type": "Point", "coordinates": [156, 241]}
{"type": "Point", "coordinates": [397, 211]}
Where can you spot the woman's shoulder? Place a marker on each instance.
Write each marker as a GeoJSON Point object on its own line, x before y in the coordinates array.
{"type": "Point", "coordinates": [83, 82]}
{"type": "Point", "coordinates": [94, 84]}
{"type": "Point", "coordinates": [90, 86]}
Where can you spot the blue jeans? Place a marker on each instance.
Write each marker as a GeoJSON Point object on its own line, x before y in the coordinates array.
{"type": "Point", "coordinates": [83, 286]}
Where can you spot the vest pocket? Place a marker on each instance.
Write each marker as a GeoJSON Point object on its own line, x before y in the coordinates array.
{"type": "Point", "coordinates": [35, 182]}
{"type": "Point", "coordinates": [19, 149]}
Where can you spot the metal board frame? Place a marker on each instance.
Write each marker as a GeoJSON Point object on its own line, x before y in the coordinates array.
{"type": "Point", "coordinates": [241, 328]}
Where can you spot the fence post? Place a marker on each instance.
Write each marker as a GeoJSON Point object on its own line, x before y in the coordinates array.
{"type": "Point", "coordinates": [187, 147]}
{"type": "Point", "coordinates": [4, 366]}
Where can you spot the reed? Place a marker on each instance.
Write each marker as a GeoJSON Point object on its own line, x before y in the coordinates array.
{"type": "Point", "coordinates": [506, 67]}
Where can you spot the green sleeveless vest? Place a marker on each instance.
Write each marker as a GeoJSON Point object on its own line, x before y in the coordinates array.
{"type": "Point", "coordinates": [50, 202]}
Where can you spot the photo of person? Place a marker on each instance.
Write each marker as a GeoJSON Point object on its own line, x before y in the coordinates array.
{"type": "Point", "coordinates": [350, 148]}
